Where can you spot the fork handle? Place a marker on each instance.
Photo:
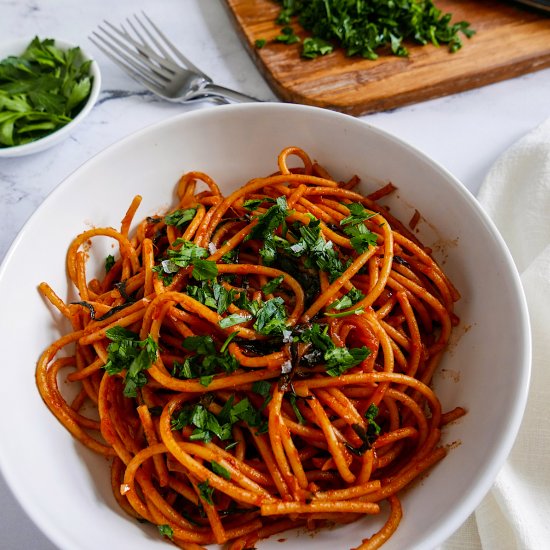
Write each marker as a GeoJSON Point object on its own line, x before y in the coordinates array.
{"type": "Point", "coordinates": [227, 93]}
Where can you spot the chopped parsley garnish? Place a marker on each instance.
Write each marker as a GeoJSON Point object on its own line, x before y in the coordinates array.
{"type": "Point", "coordinates": [206, 361]}
{"type": "Point", "coordinates": [292, 398]}
{"type": "Point", "coordinates": [314, 47]}
{"type": "Point", "coordinates": [178, 218]}
{"type": "Point", "coordinates": [212, 294]}
{"type": "Point", "coordinates": [358, 214]}
{"type": "Point", "coordinates": [253, 204]}
{"type": "Point", "coordinates": [355, 311]}
{"type": "Point", "coordinates": [234, 319]}
{"type": "Point", "coordinates": [272, 285]}
{"type": "Point", "coordinates": [208, 425]}
{"type": "Point", "coordinates": [268, 223]}
{"type": "Point", "coordinates": [186, 254]}
{"type": "Point", "coordinates": [352, 297]}
{"type": "Point", "coordinates": [271, 317]}
{"type": "Point", "coordinates": [109, 263]}
{"type": "Point", "coordinates": [287, 36]}
{"type": "Point", "coordinates": [361, 28]}
{"type": "Point", "coordinates": [305, 242]}
{"type": "Point", "coordinates": [166, 531]}
{"type": "Point", "coordinates": [369, 435]}
{"type": "Point", "coordinates": [348, 300]}
{"type": "Point", "coordinates": [354, 227]}
{"type": "Point", "coordinates": [262, 387]}
{"type": "Point", "coordinates": [337, 359]}
{"type": "Point", "coordinates": [204, 270]}
{"type": "Point", "coordinates": [127, 352]}
{"type": "Point", "coordinates": [319, 253]}
{"type": "Point", "coordinates": [206, 492]}
{"type": "Point", "coordinates": [220, 470]}
{"type": "Point", "coordinates": [370, 415]}
{"type": "Point", "coordinates": [260, 43]}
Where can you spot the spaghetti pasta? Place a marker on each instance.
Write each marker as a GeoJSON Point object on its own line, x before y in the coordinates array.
{"type": "Point", "coordinates": [257, 361]}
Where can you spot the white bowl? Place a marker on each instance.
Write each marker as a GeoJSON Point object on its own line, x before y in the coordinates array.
{"type": "Point", "coordinates": [17, 47]}
{"type": "Point", "coordinates": [65, 488]}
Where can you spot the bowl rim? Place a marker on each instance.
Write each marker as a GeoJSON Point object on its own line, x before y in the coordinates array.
{"type": "Point", "coordinates": [502, 448]}
{"type": "Point", "coordinates": [49, 140]}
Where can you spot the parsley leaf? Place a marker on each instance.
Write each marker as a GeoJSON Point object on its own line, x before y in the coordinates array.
{"type": "Point", "coordinates": [272, 285]}
{"type": "Point", "coordinates": [352, 297]}
{"type": "Point", "coordinates": [245, 411]}
{"type": "Point", "coordinates": [288, 36]}
{"type": "Point", "coordinates": [271, 317]}
{"type": "Point", "coordinates": [204, 270]}
{"type": "Point", "coordinates": [208, 425]}
{"type": "Point", "coordinates": [262, 387]}
{"type": "Point", "coordinates": [354, 227]}
{"type": "Point", "coordinates": [253, 204]}
{"type": "Point", "coordinates": [220, 470]}
{"type": "Point", "coordinates": [360, 237]}
{"type": "Point", "coordinates": [188, 253]}
{"type": "Point", "coordinates": [320, 253]}
{"type": "Point", "coordinates": [126, 352]}
{"type": "Point", "coordinates": [206, 491]}
{"type": "Point", "coordinates": [314, 47]}
{"type": "Point", "coordinates": [109, 263]}
{"type": "Point", "coordinates": [212, 295]}
{"type": "Point", "coordinates": [206, 361]}
{"type": "Point", "coordinates": [180, 217]}
{"type": "Point", "coordinates": [358, 214]}
{"type": "Point", "coordinates": [370, 415]}
{"type": "Point", "coordinates": [166, 531]}
{"type": "Point", "coordinates": [234, 319]}
{"type": "Point", "coordinates": [337, 359]}
{"type": "Point", "coordinates": [267, 225]}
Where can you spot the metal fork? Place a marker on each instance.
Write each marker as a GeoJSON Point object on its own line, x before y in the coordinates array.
{"type": "Point", "coordinates": [153, 61]}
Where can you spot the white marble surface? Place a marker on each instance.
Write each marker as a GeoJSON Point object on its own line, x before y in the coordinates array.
{"type": "Point", "coordinates": [464, 132]}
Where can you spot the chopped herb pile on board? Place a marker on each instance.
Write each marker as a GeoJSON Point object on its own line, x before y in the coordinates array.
{"type": "Point", "coordinates": [362, 27]}
{"type": "Point", "coordinates": [40, 91]}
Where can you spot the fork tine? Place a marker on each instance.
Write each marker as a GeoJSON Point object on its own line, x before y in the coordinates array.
{"type": "Point", "coordinates": [145, 52]}
{"type": "Point", "coordinates": [175, 51]}
{"type": "Point", "coordinates": [136, 61]}
{"type": "Point", "coordinates": [155, 42]}
{"type": "Point", "coordinates": [127, 64]}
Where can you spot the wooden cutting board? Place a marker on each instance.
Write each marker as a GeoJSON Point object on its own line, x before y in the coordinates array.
{"type": "Point", "coordinates": [510, 40]}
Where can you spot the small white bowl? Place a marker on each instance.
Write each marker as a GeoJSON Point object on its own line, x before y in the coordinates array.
{"type": "Point", "coordinates": [17, 47]}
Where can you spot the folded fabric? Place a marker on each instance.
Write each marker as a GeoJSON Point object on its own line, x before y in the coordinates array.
{"type": "Point", "coordinates": [516, 195]}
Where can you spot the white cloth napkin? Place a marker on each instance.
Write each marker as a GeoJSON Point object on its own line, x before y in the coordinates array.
{"type": "Point", "coordinates": [515, 515]}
